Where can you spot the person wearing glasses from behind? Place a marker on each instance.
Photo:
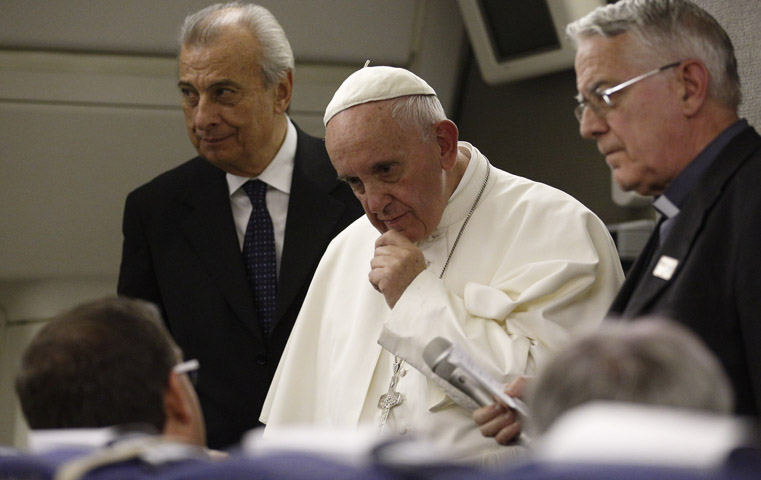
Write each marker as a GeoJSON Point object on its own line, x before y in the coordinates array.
{"type": "Point", "coordinates": [110, 366]}
{"type": "Point", "coordinates": [659, 92]}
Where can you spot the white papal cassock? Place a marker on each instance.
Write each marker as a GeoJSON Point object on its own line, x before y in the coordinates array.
{"type": "Point", "coordinates": [532, 269]}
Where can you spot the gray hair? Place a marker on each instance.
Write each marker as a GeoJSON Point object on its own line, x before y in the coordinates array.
{"type": "Point", "coordinates": [420, 112]}
{"type": "Point", "coordinates": [648, 361]}
{"type": "Point", "coordinates": [205, 26]}
{"type": "Point", "coordinates": [672, 30]}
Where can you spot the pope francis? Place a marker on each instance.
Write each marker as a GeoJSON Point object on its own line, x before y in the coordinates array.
{"type": "Point", "coordinates": [503, 267]}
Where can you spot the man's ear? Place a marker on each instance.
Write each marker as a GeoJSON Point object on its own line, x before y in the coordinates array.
{"type": "Point", "coordinates": [283, 90]}
{"type": "Point", "coordinates": [176, 408]}
{"type": "Point", "coordinates": [447, 136]}
{"type": "Point", "coordinates": [694, 78]}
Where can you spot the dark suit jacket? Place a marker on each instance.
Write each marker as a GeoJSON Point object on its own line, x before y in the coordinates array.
{"type": "Point", "coordinates": [181, 251]}
{"type": "Point", "coordinates": [715, 288]}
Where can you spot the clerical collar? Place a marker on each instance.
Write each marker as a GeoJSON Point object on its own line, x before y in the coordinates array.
{"type": "Point", "coordinates": [470, 170]}
{"type": "Point", "coordinates": [462, 199]}
{"type": "Point", "coordinates": [684, 183]}
{"type": "Point", "coordinates": [665, 207]}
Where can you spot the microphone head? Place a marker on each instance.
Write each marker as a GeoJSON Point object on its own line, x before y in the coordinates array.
{"type": "Point", "coordinates": [435, 356]}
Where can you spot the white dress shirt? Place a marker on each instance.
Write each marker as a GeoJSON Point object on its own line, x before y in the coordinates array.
{"type": "Point", "coordinates": [277, 176]}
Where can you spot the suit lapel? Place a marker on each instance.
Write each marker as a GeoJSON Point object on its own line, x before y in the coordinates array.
{"type": "Point", "coordinates": [313, 215]}
{"type": "Point", "coordinates": [210, 229]}
{"type": "Point", "coordinates": [676, 247]}
{"type": "Point", "coordinates": [634, 276]}
{"type": "Point", "coordinates": [687, 226]}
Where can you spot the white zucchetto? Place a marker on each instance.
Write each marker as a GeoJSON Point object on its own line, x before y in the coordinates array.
{"type": "Point", "coordinates": [372, 84]}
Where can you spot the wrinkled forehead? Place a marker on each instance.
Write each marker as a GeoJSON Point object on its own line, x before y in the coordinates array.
{"type": "Point", "coordinates": [371, 119]}
{"type": "Point", "coordinates": [364, 135]}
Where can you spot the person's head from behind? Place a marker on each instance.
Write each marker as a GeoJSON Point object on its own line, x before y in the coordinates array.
{"type": "Point", "coordinates": [388, 137]}
{"type": "Point", "coordinates": [684, 86]}
{"type": "Point", "coordinates": [648, 361]}
{"type": "Point", "coordinates": [108, 363]}
{"type": "Point", "coordinates": [236, 77]}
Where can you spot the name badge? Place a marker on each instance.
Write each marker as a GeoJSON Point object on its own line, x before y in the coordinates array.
{"type": "Point", "coordinates": [665, 267]}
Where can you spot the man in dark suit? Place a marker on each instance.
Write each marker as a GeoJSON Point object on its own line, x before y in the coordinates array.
{"type": "Point", "coordinates": [659, 92]}
{"type": "Point", "coordinates": [187, 235]}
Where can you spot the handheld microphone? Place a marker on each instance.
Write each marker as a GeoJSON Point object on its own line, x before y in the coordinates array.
{"type": "Point", "coordinates": [454, 365]}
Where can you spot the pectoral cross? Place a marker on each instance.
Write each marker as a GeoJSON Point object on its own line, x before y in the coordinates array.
{"type": "Point", "coordinates": [392, 398]}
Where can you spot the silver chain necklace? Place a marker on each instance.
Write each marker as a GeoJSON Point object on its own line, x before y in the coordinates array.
{"type": "Point", "coordinates": [392, 398]}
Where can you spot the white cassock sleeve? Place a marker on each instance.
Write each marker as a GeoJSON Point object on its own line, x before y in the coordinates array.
{"type": "Point", "coordinates": [532, 269]}
{"type": "Point", "coordinates": [550, 275]}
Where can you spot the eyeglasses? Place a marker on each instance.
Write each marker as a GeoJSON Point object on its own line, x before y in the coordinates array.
{"type": "Point", "coordinates": [600, 100]}
{"type": "Point", "coordinates": [190, 367]}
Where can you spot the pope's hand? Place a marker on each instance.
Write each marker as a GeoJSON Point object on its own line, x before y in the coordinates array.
{"type": "Point", "coordinates": [396, 263]}
{"type": "Point", "coordinates": [500, 421]}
